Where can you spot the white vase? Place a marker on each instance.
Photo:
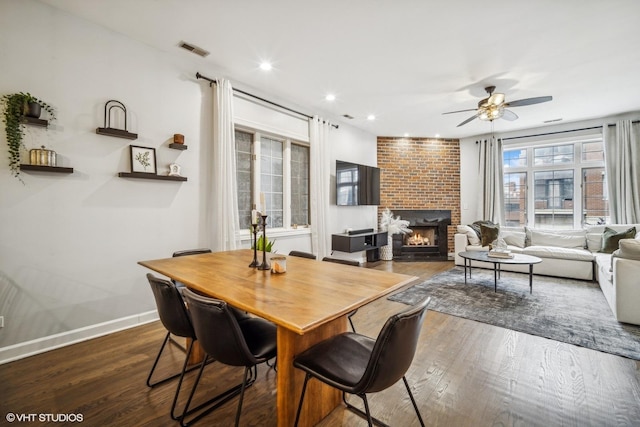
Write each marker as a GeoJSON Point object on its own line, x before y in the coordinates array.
{"type": "Point", "coordinates": [386, 252]}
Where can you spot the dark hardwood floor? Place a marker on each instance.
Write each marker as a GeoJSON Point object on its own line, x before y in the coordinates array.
{"type": "Point", "coordinates": [465, 373]}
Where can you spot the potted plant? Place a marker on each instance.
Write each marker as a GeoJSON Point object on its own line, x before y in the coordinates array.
{"type": "Point", "coordinates": [15, 106]}
{"type": "Point", "coordinates": [392, 226]}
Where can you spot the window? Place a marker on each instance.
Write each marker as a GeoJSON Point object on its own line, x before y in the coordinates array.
{"type": "Point", "coordinates": [544, 177]}
{"type": "Point", "coordinates": [281, 175]}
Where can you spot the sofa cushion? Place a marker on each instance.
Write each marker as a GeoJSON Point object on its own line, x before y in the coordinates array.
{"type": "Point", "coordinates": [488, 233]}
{"type": "Point", "coordinates": [560, 253]}
{"type": "Point", "coordinates": [472, 236]}
{"type": "Point", "coordinates": [559, 239]}
{"type": "Point", "coordinates": [611, 237]}
{"type": "Point", "coordinates": [628, 248]}
{"type": "Point", "coordinates": [513, 238]}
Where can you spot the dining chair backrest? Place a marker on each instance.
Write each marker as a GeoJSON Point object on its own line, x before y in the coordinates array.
{"type": "Point", "coordinates": [394, 349]}
{"type": "Point", "coordinates": [171, 309]}
{"type": "Point", "coordinates": [302, 254]}
{"type": "Point", "coordinates": [342, 261]}
{"type": "Point", "coordinates": [192, 252]}
{"type": "Point", "coordinates": [218, 330]}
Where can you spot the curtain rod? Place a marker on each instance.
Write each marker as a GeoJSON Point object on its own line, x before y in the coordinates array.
{"type": "Point", "coordinates": [213, 81]}
{"type": "Point", "coordinates": [562, 131]}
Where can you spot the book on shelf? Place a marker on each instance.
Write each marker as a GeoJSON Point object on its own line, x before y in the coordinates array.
{"type": "Point", "coordinates": [500, 253]}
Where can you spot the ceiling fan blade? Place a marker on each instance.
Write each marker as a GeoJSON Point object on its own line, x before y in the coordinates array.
{"type": "Point", "coordinates": [460, 111]}
{"type": "Point", "coordinates": [528, 101]}
{"type": "Point", "coordinates": [509, 115]}
{"type": "Point", "coordinates": [467, 121]}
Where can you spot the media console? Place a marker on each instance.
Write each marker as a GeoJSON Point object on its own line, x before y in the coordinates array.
{"type": "Point", "coordinates": [360, 240]}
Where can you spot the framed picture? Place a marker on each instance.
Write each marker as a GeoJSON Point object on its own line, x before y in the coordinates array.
{"type": "Point", "coordinates": [143, 159]}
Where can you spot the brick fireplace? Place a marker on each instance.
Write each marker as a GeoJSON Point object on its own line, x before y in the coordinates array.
{"type": "Point", "coordinates": [420, 174]}
{"type": "Point", "coordinates": [428, 240]}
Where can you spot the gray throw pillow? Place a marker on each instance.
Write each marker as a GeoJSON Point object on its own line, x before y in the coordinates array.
{"type": "Point", "coordinates": [610, 238]}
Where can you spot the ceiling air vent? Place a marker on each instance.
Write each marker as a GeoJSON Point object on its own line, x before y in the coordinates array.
{"type": "Point", "coordinates": [193, 48]}
{"type": "Point", "coordinates": [347, 116]}
{"type": "Point", "coordinates": [552, 120]}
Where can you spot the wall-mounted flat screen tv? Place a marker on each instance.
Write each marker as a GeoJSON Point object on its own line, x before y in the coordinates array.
{"type": "Point", "coordinates": [357, 184]}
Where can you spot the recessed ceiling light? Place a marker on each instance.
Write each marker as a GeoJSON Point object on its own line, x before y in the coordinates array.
{"type": "Point", "coordinates": [406, 134]}
{"type": "Point", "coordinates": [330, 97]}
{"type": "Point", "coordinates": [371, 117]}
{"type": "Point", "coordinates": [437, 135]}
{"type": "Point", "coordinates": [265, 66]}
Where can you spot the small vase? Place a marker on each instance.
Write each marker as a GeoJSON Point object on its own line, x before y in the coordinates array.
{"type": "Point", "coordinates": [33, 110]}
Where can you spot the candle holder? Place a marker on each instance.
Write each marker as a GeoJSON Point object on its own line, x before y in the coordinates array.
{"type": "Point", "coordinates": [254, 230]}
{"type": "Point", "coordinates": [265, 265]}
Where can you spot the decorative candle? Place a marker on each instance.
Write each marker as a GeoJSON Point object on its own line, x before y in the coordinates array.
{"type": "Point", "coordinates": [254, 217]}
{"type": "Point", "coordinates": [263, 205]}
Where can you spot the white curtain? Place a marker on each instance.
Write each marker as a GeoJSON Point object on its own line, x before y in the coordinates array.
{"type": "Point", "coordinates": [491, 179]}
{"type": "Point", "coordinates": [222, 206]}
{"type": "Point", "coordinates": [622, 162]}
{"type": "Point", "coordinates": [320, 170]}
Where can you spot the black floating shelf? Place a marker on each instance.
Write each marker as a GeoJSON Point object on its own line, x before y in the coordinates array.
{"type": "Point", "coordinates": [139, 175]}
{"type": "Point", "coordinates": [118, 133]}
{"type": "Point", "coordinates": [177, 146]}
{"type": "Point", "coordinates": [33, 121]}
{"type": "Point", "coordinates": [41, 168]}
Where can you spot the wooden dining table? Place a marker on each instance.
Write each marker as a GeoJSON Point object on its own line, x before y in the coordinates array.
{"type": "Point", "coordinates": [308, 304]}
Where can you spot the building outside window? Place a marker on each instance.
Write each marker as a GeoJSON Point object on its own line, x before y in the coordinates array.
{"type": "Point", "coordinates": [277, 169]}
{"type": "Point", "coordinates": [556, 185]}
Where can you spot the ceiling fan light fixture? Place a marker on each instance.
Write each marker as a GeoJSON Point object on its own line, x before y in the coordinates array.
{"type": "Point", "coordinates": [491, 112]}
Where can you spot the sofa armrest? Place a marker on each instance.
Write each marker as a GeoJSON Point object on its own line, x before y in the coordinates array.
{"type": "Point", "coordinates": [460, 243]}
{"type": "Point", "coordinates": [625, 278]}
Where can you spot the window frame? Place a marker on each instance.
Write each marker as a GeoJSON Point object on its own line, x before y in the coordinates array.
{"type": "Point", "coordinates": [256, 134]}
{"type": "Point", "coordinates": [578, 165]}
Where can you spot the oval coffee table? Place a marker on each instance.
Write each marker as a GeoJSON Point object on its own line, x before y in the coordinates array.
{"type": "Point", "coordinates": [484, 256]}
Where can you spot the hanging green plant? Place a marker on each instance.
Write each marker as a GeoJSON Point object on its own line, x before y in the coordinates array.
{"type": "Point", "coordinates": [15, 107]}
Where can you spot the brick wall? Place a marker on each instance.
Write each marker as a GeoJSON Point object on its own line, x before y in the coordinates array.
{"type": "Point", "coordinates": [420, 173]}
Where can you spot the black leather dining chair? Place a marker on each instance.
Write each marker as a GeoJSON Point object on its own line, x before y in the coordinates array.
{"type": "Point", "coordinates": [302, 254]}
{"type": "Point", "coordinates": [357, 364]}
{"type": "Point", "coordinates": [226, 340]}
{"type": "Point", "coordinates": [175, 318]}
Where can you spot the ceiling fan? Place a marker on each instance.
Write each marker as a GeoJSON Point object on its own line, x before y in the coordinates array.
{"type": "Point", "coordinates": [494, 107]}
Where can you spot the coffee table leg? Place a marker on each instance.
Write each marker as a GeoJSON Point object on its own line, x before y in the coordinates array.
{"type": "Point", "coordinates": [465, 271]}
{"type": "Point", "coordinates": [495, 276]}
{"type": "Point", "coordinates": [530, 279]}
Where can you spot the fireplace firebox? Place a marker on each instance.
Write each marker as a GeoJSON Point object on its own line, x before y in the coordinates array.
{"type": "Point", "coordinates": [428, 239]}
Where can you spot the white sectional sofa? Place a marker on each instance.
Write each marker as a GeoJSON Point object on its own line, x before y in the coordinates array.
{"type": "Point", "coordinates": [573, 254]}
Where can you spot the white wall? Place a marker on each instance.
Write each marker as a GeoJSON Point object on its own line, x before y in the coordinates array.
{"type": "Point", "coordinates": [469, 190]}
{"type": "Point", "coordinates": [69, 243]}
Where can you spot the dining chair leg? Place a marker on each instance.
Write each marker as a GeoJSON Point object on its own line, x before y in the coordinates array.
{"type": "Point", "coordinates": [362, 414]}
{"type": "Point", "coordinates": [366, 408]}
{"type": "Point", "coordinates": [247, 373]}
{"type": "Point", "coordinates": [216, 401]}
{"type": "Point", "coordinates": [415, 406]}
{"type": "Point", "coordinates": [184, 369]}
{"type": "Point", "coordinates": [155, 363]}
{"type": "Point", "coordinates": [304, 389]}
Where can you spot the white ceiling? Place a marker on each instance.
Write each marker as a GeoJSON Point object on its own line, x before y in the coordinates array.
{"type": "Point", "coordinates": [406, 61]}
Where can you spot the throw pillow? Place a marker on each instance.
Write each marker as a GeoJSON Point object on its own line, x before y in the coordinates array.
{"type": "Point", "coordinates": [610, 238]}
{"type": "Point", "coordinates": [488, 233]}
{"type": "Point", "coordinates": [472, 237]}
{"type": "Point", "coordinates": [476, 226]}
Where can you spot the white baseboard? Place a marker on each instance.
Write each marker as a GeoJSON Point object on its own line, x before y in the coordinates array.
{"type": "Point", "coordinates": [41, 345]}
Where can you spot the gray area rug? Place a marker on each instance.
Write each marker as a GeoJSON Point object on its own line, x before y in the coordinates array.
{"type": "Point", "coordinates": [570, 311]}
